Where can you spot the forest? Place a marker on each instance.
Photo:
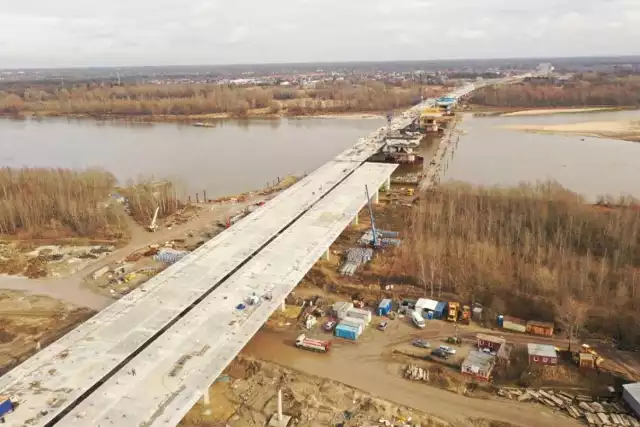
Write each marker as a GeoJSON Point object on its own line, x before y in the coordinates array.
{"type": "Point", "coordinates": [582, 90]}
{"type": "Point", "coordinates": [537, 252]}
{"type": "Point", "coordinates": [148, 100]}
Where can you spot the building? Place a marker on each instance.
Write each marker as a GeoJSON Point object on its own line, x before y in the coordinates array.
{"type": "Point", "coordinates": [478, 365]}
{"type": "Point", "coordinates": [540, 328]}
{"type": "Point", "coordinates": [542, 354]}
{"type": "Point", "coordinates": [631, 395]}
{"type": "Point", "coordinates": [425, 304]}
{"type": "Point", "coordinates": [490, 342]}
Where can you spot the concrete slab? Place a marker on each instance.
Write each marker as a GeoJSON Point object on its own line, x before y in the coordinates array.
{"type": "Point", "coordinates": [275, 422]}
{"type": "Point", "coordinates": [204, 341]}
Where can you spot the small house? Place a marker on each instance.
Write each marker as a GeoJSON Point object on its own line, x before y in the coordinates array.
{"type": "Point", "coordinates": [384, 307]}
{"type": "Point", "coordinates": [490, 342]}
{"type": "Point", "coordinates": [478, 365]}
{"type": "Point", "coordinates": [540, 328]}
{"type": "Point", "coordinates": [542, 354]}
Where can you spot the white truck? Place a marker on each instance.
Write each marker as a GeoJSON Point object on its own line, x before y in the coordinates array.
{"type": "Point", "coordinates": [417, 319]}
{"type": "Point", "coordinates": [311, 344]}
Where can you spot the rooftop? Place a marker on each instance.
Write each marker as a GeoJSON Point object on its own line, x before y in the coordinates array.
{"type": "Point", "coordinates": [633, 389]}
{"type": "Point", "coordinates": [482, 361]}
{"type": "Point", "coordinates": [491, 338]}
{"type": "Point", "coordinates": [542, 350]}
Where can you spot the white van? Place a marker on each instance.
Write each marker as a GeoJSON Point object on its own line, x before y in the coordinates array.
{"type": "Point", "coordinates": [417, 319]}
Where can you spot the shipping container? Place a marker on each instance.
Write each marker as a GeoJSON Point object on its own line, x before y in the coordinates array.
{"type": "Point", "coordinates": [360, 313]}
{"type": "Point", "coordinates": [441, 309]}
{"type": "Point", "coordinates": [347, 332]}
{"type": "Point", "coordinates": [6, 406]}
{"type": "Point", "coordinates": [514, 324]}
{"type": "Point", "coordinates": [384, 307]}
{"type": "Point", "coordinates": [355, 322]}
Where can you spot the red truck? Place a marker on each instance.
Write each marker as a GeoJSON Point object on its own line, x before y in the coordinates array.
{"type": "Point", "coordinates": [311, 344]}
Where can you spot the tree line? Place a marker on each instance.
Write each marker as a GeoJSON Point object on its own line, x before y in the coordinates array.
{"type": "Point", "coordinates": [194, 99]}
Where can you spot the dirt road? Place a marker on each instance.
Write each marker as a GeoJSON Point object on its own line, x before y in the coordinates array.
{"type": "Point", "coordinates": [71, 289]}
{"type": "Point", "coordinates": [365, 366]}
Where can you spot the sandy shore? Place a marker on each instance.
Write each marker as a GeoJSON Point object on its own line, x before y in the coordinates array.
{"type": "Point", "coordinates": [628, 130]}
{"type": "Point", "coordinates": [557, 111]}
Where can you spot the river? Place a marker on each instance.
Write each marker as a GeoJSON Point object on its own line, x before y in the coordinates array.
{"type": "Point", "coordinates": [234, 157]}
{"type": "Point", "coordinates": [488, 155]}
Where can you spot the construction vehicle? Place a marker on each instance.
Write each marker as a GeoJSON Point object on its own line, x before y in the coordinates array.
{"type": "Point", "coordinates": [410, 191]}
{"type": "Point", "coordinates": [587, 349]}
{"type": "Point", "coordinates": [311, 344]}
{"type": "Point", "coordinates": [153, 226]}
{"type": "Point", "coordinates": [374, 233]}
{"type": "Point", "coordinates": [465, 315]}
{"type": "Point", "coordinates": [454, 308]}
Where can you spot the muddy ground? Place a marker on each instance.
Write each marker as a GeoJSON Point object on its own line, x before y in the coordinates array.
{"type": "Point", "coordinates": [26, 320]}
{"type": "Point", "coordinates": [247, 396]}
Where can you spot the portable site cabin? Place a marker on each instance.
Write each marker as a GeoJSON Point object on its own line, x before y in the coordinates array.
{"type": "Point", "coordinates": [540, 328]}
{"type": "Point", "coordinates": [360, 313]}
{"type": "Point", "coordinates": [384, 307]}
{"type": "Point", "coordinates": [340, 309]}
{"type": "Point", "coordinates": [513, 324]}
{"type": "Point", "coordinates": [441, 310]}
{"type": "Point", "coordinates": [425, 304]}
{"type": "Point", "coordinates": [347, 332]}
{"type": "Point", "coordinates": [359, 324]}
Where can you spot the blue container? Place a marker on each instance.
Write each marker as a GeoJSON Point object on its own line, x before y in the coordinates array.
{"type": "Point", "coordinates": [6, 406]}
{"type": "Point", "coordinates": [384, 307]}
{"type": "Point", "coordinates": [429, 315]}
{"type": "Point", "coordinates": [500, 321]}
{"type": "Point", "coordinates": [441, 309]}
{"type": "Point", "coordinates": [347, 332]}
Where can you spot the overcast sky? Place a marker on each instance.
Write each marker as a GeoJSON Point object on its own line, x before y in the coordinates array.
{"type": "Point", "coordinates": [60, 33]}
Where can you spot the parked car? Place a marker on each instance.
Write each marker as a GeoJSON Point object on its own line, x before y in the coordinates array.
{"type": "Point", "coordinates": [420, 343]}
{"type": "Point", "coordinates": [454, 340]}
{"type": "Point", "coordinates": [329, 326]}
{"type": "Point", "coordinates": [438, 352]}
{"type": "Point", "coordinates": [447, 349]}
{"type": "Point", "coordinates": [488, 351]}
{"type": "Point", "coordinates": [383, 325]}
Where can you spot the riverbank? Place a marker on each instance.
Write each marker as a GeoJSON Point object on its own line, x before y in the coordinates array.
{"type": "Point", "coordinates": [480, 111]}
{"type": "Point", "coordinates": [628, 130]}
{"type": "Point", "coordinates": [202, 120]}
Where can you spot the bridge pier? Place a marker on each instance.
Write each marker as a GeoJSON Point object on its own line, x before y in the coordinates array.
{"type": "Point", "coordinates": [206, 401]}
{"type": "Point", "coordinates": [283, 307]}
{"type": "Point", "coordinates": [356, 220]}
{"type": "Point", "coordinates": [327, 254]}
{"type": "Point", "coordinates": [376, 197]}
{"type": "Point", "coordinates": [387, 184]}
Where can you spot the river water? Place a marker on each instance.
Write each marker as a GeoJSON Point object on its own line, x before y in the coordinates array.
{"type": "Point", "coordinates": [239, 156]}
{"type": "Point", "coordinates": [233, 157]}
{"type": "Point", "coordinates": [489, 155]}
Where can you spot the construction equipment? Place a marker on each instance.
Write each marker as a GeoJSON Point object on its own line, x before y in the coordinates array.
{"type": "Point", "coordinates": [374, 239]}
{"type": "Point", "coordinates": [153, 226]}
{"type": "Point", "coordinates": [310, 344]}
{"type": "Point", "coordinates": [465, 315]}
{"type": "Point", "coordinates": [454, 308]}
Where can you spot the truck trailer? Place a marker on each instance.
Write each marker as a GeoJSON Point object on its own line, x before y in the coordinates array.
{"type": "Point", "coordinates": [311, 344]}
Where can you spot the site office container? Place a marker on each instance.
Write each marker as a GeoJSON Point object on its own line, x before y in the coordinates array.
{"type": "Point", "coordinates": [540, 328]}
{"type": "Point", "coordinates": [359, 324]}
{"type": "Point", "coordinates": [359, 313]}
{"type": "Point", "coordinates": [347, 332]}
{"type": "Point", "coordinates": [384, 307]}
{"type": "Point", "coordinates": [514, 324]}
{"type": "Point", "coordinates": [441, 309]}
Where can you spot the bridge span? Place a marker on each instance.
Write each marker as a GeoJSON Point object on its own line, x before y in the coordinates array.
{"type": "Point", "coordinates": [148, 357]}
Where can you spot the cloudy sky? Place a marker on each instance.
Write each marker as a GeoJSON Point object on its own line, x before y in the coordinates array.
{"type": "Point", "coordinates": [60, 33]}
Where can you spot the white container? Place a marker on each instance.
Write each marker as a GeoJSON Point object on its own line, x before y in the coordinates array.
{"type": "Point", "coordinates": [360, 314]}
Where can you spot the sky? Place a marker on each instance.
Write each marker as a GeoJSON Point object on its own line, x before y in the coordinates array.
{"type": "Point", "coordinates": [69, 33]}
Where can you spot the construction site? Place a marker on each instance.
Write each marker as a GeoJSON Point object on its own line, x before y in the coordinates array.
{"type": "Point", "coordinates": [386, 349]}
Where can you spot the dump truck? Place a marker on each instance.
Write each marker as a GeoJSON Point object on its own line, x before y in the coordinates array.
{"type": "Point", "coordinates": [465, 315]}
{"type": "Point", "coordinates": [454, 307]}
{"type": "Point", "coordinates": [311, 344]}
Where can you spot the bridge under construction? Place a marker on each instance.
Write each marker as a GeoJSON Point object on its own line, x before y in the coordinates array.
{"type": "Point", "coordinates": [147, 358]}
